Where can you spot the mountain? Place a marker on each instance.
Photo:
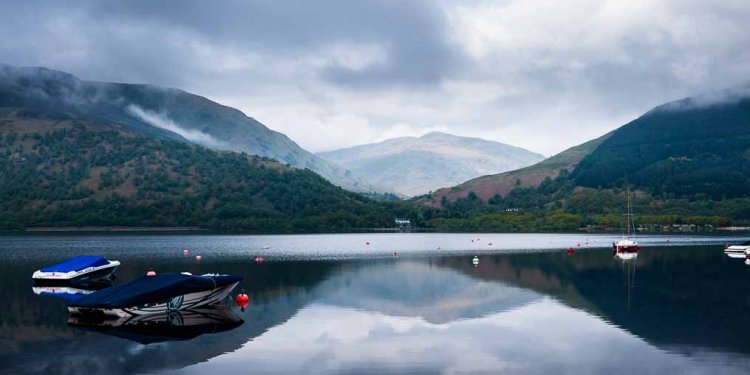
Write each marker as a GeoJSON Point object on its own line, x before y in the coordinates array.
{"type": "Point", "coordinates": [687, 162]}
{"type": "Point", "coordinates": [693, 146]}
{"type": "Point", "coordinates": [162, 112]}
{"type": "Point", "coordinates": [69, 170]}
{"type": "Point", "coordinates": [486, 187]}
{"type": "Point", "coordinates": [413, 166]}
{"type": "Point", "coordinates": [698, 147]}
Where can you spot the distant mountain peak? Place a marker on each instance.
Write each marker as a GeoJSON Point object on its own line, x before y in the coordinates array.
{"type": "Point", "coordinates": [417, 165]}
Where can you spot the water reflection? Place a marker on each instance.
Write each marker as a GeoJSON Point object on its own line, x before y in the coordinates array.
{"type": "Point", "coordinates": [536, 312]}
{"type": "Point", "coordinates": [149, 329]}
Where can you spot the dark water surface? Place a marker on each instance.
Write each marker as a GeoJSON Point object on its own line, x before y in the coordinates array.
{"type": "Point", "coordinates": [336, 304]}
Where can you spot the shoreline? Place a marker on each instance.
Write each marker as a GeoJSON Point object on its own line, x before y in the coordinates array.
{"type": "Point", "coordinates": [198, 230]}
{"type": "Point", "coordinates": [107, 229]}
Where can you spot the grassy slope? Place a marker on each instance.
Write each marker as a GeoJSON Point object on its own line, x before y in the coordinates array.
{"type": "Point", "coordinates": [488, 186]}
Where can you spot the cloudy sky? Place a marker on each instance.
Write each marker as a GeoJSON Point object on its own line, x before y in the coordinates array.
{"type": "Point", "coordinates": [541, 74]}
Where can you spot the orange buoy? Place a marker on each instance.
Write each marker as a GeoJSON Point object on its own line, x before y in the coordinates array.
{"type": "Point", "coordinates": [151, 273]}
{"type": "Point", "coordinates": [186, 252]}
{"type": "Point", "coordinates": [259, 259]}
{"type": "Point", "coordinates": [198, 258]}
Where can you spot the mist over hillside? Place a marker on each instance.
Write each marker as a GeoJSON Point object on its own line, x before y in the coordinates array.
{"type": "Point", "coordinates": [162, 112]}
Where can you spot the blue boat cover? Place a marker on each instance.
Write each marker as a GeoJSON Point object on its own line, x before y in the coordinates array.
{"type": "Point", "coordinates": [76, 264]}
{"type": "Point", "coordinates": [151, 289]}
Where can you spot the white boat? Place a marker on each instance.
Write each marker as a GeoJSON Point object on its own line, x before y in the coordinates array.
{"type": "Point", "coordinates": [157, 294]}
{"type": "Point", "coordinates": [627, 245]}
{"type": "Point", "coordinates": [738, 251]}
{"type": "Point", "coordinates": [77, 270]}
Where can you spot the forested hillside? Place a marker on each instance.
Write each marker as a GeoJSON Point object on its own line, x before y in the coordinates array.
{"type": "Point", "coordinates": [687, 161]}
{"type": "Point", "coordinates": [679, 149]}
{"type": "Point", "coordinates": [68, 171]}
{"type": "Point", "coordinates": [160, 112]}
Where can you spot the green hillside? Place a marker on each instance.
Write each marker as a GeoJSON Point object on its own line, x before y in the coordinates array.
{"type": "Point", "coordinates": [160, 112]}
{"type": "Point", "coordinates": [65, 170]}
{"type": "Point", "coordinates": [679, 149]}
{"type": "Point", "coordinates": [688, 163]}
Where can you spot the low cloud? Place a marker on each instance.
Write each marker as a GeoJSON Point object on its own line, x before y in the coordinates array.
{"type": "Point", "coordinates": [161, 120]}
{"type": "Point", "coordinates": [728, 96]}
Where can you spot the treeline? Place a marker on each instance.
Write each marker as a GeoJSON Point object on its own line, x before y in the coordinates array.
{"type": "Point", "coordinates": [558, 205]}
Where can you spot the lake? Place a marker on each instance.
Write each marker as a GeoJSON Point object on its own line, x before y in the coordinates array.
{"type": "Point", "coordinates": [346, 304]}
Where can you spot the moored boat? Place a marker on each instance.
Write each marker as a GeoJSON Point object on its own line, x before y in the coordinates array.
{"type": "Point", "coordinates": [627, 245]}
{"type": "Point", "coordinates": [157, 294]}
{"type": "Point", "coordinates": [738, 251]}
{"type": "Point", "coordinates": [84, 269]}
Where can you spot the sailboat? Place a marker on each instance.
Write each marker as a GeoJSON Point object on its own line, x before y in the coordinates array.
{"type": "Point", "coordinates": [627, 248]}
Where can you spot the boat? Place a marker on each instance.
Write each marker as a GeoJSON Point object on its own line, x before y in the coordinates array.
{"type": "Point", "coordinates": [738, 251]}
{"type": "Point", "coordinates": [627, 247]}
{"type": "Point", "coordinates": [157, 294]}
{"type": "Point", "coordinates": [84, 269]}
{"type": "Point", "coordinates": [154, 328]}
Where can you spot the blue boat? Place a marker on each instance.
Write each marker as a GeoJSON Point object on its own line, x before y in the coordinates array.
{"type": "Point", "coordinates": [156, 294]}
{"type": "Point", "coordinates": [84, 269]}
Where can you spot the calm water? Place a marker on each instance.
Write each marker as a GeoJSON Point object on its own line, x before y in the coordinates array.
{"type": "Point", "coordinates": [336, 304]}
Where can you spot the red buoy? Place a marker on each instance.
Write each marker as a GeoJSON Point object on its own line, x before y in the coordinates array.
{"type": "Point", "coordinates": [259, 259]}
{"type": "Point", "coordinates": [571, 251]}
{"type": "Point", "coordinates": [243, 300]}
{"type": "Point", "coordinates": [151, 273]}
{"type": "Point", "coordinates": [186, 252]}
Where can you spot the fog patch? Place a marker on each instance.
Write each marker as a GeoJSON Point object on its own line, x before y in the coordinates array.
{"type": "Point", "coordinates": [728, 96]}
{"type": "Point", "coordinates": [161, 120]}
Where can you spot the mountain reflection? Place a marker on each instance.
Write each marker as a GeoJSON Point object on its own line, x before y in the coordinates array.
{"type": "Point", "coordinates": [679, 299]}
{"type": "Point", "coordinates": [421, 289]}
{"type": "Point", "coordinates": [365, 315]}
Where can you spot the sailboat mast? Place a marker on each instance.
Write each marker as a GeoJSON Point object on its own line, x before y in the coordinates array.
{"type": "Point", "coordinates": [627, 218]}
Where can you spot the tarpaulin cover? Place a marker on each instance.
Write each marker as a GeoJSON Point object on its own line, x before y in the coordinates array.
{"type": "Point", "coordinates": [151, 289]}
{"type": "Point", "coordinates": [76, 264]}
{"type": "Point", "coordinates": [69, 297]}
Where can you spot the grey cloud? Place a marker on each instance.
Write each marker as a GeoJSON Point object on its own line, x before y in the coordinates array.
{"type": "Point", "coordinates": [413, 34]}
{"type": "Point", "coordinates": [282, 55]}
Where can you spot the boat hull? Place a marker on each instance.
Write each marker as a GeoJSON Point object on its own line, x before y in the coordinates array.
{"type": "Point", "coordinates": [627, 249]}
{"type": "Point", "coordinates": [176, 303]}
